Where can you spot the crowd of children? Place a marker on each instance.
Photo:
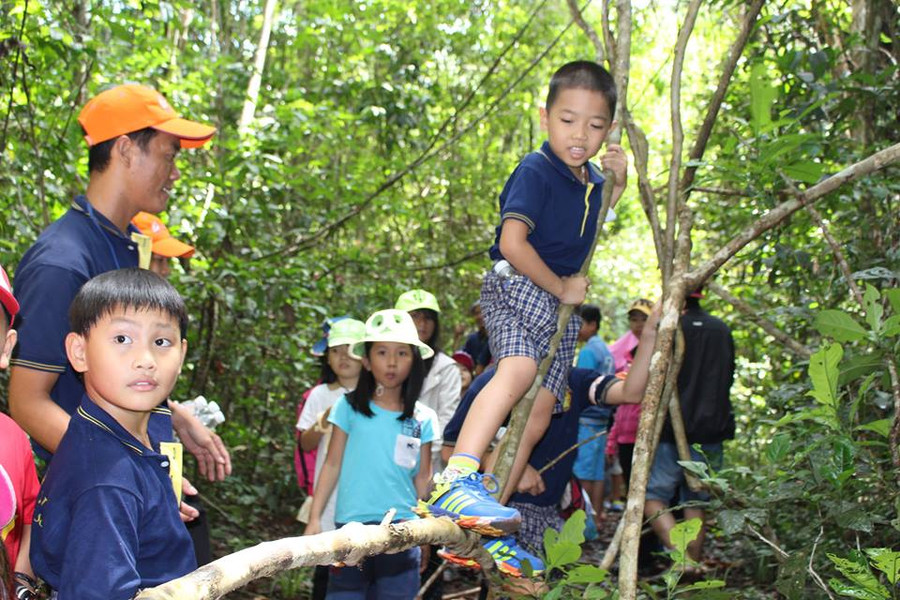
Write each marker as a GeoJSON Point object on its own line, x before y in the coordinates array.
{"type": "Point", "coordinates": [383, 435]}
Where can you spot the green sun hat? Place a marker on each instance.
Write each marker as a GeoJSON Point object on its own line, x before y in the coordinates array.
{"type": "Point", "coordinates": [417, 300]}
{"type": "Point", "coordinates": [346, 331]}
{"type": "Point", "coordinates": [390, 325]}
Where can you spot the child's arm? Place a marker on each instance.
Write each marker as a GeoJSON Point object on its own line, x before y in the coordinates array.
{"type": "Point", "coordinates": [331, 469]}
{"type": "Point", "coordinates": [422, 480]}
{"type": "Point", "coordinates": [631, 391]}
{"type": "Point", "coordinates": [310, 437]}
{"type": "Point", "coordinates": [515, 247]}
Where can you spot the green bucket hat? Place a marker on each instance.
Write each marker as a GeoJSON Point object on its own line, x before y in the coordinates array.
{"type": "Point", "coordinates": [417, 300]}
{"type": "Point", "coordinates": [390, 325]}
{"type": "Point", "coordinates": [346, 331]}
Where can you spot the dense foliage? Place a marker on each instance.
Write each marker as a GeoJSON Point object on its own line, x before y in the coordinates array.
{"type": "Point", "coordinates": [382, 134]}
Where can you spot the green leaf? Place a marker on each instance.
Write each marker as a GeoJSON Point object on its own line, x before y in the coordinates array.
{"type": "Point", "coordinates": [874, 310]}
{"type": "Point", "coordinates": [806, 171]}
{"type": "Point", "coordinates": [851, 591]}
{"type": "Point", "coordinates": [891, 326]}
{"type": "Point", "coordinates": [856, 569]}
{"type": "Point", "coordinates": [839, 325]}
{"type": "Point", "coordinates": [778, 448]}
{"type": "Point", "coordinates": [882, 427]}
{"type": "Point", "coordinates": [684, 533]}
{"type": "Point", "coordinates": [762, 96]}
{"type": "Point", "coordinates": [886, 561]}
{"type": "Point", "coordinates": [731, 521]}
{"type": "Point", "coordinates": [586, 574]}
{"type": "Point", "coordinates": [859, 366]}
{"type": "Point", "coordinates": [573, 529]}
{"type": "Point", "coordinates": [563, 553]}
{"type": "Point", "coordinates": [893, 296]}
{"type": "Point", "coordinates": [823, 372]}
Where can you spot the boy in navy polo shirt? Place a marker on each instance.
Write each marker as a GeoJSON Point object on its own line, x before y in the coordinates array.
{"type": "Point", "coordinates": [107, 521]}
{"type": "Point", "coordinates": [548, 212]}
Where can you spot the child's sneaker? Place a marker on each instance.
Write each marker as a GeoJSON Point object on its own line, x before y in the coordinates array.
{"type": "Point", "coordinates": [509, 556]}
{"type": "Point", "coordinates": [469, 504]}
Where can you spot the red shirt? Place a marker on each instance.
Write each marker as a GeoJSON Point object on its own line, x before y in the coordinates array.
{"type": "Point", "coordinates": [18, 462]}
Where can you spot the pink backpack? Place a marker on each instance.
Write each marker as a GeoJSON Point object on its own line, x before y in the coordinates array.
{"type": "Point", "coordinates": [304, 462]}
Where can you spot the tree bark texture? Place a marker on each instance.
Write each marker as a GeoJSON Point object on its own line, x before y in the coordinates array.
{"type": "Point", "coordinates": [349, 544]}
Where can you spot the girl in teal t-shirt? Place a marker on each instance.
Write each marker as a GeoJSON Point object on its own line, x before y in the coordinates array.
{"type": "Point", "coordinates": [379, 454]}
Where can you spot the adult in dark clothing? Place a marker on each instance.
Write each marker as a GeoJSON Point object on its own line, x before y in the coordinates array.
{"type": "Point", "coordinates": [477, 342]}
{"type": "Point", "coordinates": [704, 385]}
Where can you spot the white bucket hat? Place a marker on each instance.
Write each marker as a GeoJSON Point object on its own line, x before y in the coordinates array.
{"type": "Point", "coordinates": [390, 325]}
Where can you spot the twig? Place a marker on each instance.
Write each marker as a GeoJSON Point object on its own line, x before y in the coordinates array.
{"type": "Point", "coordinates": [578, 17]}
{"type": "Point", "coordinates": [609, 557]}
{"type": "Point", "coordinates": [778, 551]}
{"type": "Point", "coordinates": [672, 200]}
{"type": "Point", "coordinates": [461, 594]}
{"type": "Point", "coordinates": [895, 427]}
{"type": "Point", "coordinates": [430, 581]}
{"type": "Point", "coordinates": [12, 84]}
{"type": "Point", "coordinates": [839, 257]}
{"type": "Point", "coordinates": [763, 323]}
{"type": "Point", "coordinates": [571, 449]}
{"type": "Point", "coordinates": [810, 568]}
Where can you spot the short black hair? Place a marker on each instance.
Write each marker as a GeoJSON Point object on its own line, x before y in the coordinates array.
{"type": "Point", "coordinates": [361, 397]}
{"type": "Point", "coordinates": [137, 289]}
{"type": "Point", "coordinates": [99, 154]}
{"type": "Point", "coordinates": [590, 313]}
{"type": "Point", "coordinates": [583, 75]}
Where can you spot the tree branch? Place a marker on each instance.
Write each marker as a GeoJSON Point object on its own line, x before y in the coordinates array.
{"type": "Point", "coordinates": [578, 17]}
{"type": "Point", "coordinates": [672, 200]}
{"type": "Point", "coordinates": [349, 544]}
{"type": "Point", "coordinates": [774, 217]}
{"type": "Point", "coordinates": [712, 112]}
{"type": "Point", "coordinates": [760, 321]}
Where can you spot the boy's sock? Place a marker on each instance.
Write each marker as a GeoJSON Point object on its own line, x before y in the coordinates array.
{"type": "Point", "coordinates": [460, 465]}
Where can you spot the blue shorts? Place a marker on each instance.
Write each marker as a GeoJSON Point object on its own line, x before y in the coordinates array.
{"type": "Point", "coordinates": [521, 318]}
{"type": "Point", "coordinates": [667, 476]}
{"type": "Point", "coordinates": [590, 464]}
{"type": "Point", "coordinates": [391, 576]}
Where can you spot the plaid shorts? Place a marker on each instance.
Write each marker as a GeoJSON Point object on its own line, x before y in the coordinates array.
{"type": "Point", "coordinates": [535, 520]}
{"type": "Point", "coordinates": [521, 318]}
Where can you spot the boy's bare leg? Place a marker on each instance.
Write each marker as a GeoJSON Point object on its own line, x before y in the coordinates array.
{"type": "Point", "coordinates": [537, 424]}
{"type": "Point", "coordinates": [512, 379]}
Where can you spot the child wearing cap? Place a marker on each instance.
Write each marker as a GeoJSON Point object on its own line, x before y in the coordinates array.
{"type": "Point", "coordinates": [340, 372]}
{"type": "Point", "coordinates": [107, 522]}
{"type": "Point", "coordinates": [163, 246]}
{"type": "Point", "coordinates": [379, 454]}
{"type": "Point", "coordinates": [442, 388]}
{"type": "Point", "coordinates": [18, 477]}
{"type": "Point", "coordinates": [548, 209]}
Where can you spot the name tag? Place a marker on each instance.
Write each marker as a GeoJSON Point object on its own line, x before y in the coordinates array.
{"type": "Point", "coordinates": [406, 451]}
{"type": "Point", "coordinates": [175, 453]}
{"type": "Point", "coordinates": [145, 249]}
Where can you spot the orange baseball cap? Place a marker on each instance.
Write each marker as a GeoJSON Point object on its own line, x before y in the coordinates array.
{"type": "Point", "coordinates": [132, 107]}
{"type": "Point", "coordinates": [163, 242]}
{"type": "Point", "coordinates": [6, 296]}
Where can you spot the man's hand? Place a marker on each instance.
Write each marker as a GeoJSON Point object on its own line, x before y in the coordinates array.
{"type": "Point", "coordinates": [531, 482]}
{"type": "Point", "coordinates": [188, 512]}
{"type": "Point", "coordinates": [212, 456]}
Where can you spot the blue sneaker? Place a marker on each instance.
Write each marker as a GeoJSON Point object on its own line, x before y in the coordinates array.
{"type": "Point", "coordinates": [509, 556]}
{"type": "Point", "coordinates": [467, 502]}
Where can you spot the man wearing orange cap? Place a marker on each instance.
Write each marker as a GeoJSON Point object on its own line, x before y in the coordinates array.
{"type": "Point", "coordinates": [164, 247]}
{"type": "Point", "coordinates": [133, 136]}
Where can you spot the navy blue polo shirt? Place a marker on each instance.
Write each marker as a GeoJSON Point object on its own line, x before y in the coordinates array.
{"type": "Point", "coordinates": [76, 247]}
{"type": "Point", "coordinates": [561, 434]}
{"type": "Point", "coordinates": [107, 521]}
{"type": "Point", "coordinates": [560, 211]}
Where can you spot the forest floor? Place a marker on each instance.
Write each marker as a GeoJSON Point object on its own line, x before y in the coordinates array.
{"type": "Point", "coordinates": [723, 559]}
